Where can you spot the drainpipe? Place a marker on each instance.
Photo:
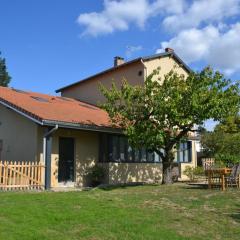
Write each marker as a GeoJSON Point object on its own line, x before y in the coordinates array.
{"type": "Point", "coordinates": [145, 69]}
{"type": "Point", "coordinates": [47, 151]}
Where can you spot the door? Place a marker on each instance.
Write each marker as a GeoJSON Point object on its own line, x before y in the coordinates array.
{"type": "Point", "coordinates": [66, 160]}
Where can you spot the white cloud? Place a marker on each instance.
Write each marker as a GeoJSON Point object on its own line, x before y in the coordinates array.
{"type": "Point", "coordinates": [130, 50]}
{"type": "Point", "coordinates": [118, 15]}
{"type": "Point", "coordinates": [210, 44]}
{"type": "Point", "coordinates": [192, 44]}
{"type": "Point", "coordinates": [202, 29]}
{"type": "Point", "coordinates": [204, 11]}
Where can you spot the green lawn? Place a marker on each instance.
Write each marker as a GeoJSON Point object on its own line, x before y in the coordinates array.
{"type": "Point", "coordinates": [143, 212]}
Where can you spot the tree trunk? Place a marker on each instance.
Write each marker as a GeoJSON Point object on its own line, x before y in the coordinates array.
{"type": "Point", "coordinates": [167, 173]}
{"type": "Point", "coordinates": [167, 167]}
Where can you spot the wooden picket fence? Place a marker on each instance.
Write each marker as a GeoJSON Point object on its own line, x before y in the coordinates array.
{"type": "Point", "coordinates": [208, 163]}
{"type": "Point", "coordinates": [21, 175]}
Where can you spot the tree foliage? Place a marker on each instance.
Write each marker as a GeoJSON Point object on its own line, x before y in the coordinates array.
{"type": "Point", "coordinates": [160, 114]}
{"type": "Point", "coordinates": [224, 142]}
{"type": "Point", "coordinates": [4, 76]}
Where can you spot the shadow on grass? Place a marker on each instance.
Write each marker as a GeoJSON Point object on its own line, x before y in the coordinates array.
{"type": "Point", "coordinates": [236, 214]}
{"type": "Point", "coordinates": [123, 186]}
{"type": "Point", "coordinates": [132, 185]}
{"type": "Point", "coordinates": [192, 186]}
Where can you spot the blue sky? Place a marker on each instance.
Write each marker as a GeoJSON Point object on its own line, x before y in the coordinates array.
{"type": "Point", "coordinates": [49, 44]}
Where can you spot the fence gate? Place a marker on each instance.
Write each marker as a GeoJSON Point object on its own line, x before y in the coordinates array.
{"type": "Point", "coordinates": [21, 175]}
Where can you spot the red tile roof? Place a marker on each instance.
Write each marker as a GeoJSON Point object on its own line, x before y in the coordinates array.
{"type": "Point", "coordinates": [44, 107]}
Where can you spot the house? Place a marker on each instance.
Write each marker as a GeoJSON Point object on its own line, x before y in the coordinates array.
{"type": "Point", "coordinates": [69, 133]}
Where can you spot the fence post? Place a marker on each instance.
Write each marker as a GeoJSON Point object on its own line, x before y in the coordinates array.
{"type": "Point", "coordinates": [5, 175]}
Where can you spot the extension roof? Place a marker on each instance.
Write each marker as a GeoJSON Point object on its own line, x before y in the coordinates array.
{"type": "Point", "coordinates": [51, 110]}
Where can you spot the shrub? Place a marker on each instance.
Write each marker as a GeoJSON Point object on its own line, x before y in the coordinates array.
{"type": "Point", "coordinates": [96, 175]}
{"type": "Point", "coordinates": [224, 160]}
{"type": "Point", "coordinates": [193, 172]}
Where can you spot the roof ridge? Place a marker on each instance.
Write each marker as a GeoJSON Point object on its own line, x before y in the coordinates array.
{"type": "Point", "coordinates": [163, 54]}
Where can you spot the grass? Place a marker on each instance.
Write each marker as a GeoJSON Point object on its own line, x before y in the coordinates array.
{"type": "Point", "coordinates": [143, 212]}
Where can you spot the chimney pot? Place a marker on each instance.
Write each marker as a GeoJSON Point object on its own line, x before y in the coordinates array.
{"type": "Point", "coordinates": [118, 61]}
{"type": "Point", "coordinates": [169, 50]}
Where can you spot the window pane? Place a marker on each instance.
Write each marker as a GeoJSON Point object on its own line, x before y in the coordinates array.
{"type": "Point", "coordinates": [184, 152]}
{"type": "Point", "coordinates": [137, 155]}
{"type": "Point", "coordinates": [189, 151]}
{"type": "Point", "coordinates": [156, 157]}
{"type": "Point", "coordinates": [113, 148]}
{"type": "Point", "coordinates": [150, 156]}
{"type": "Point", "coordinates": [143, 155]}
{"type": "Point", "coordinates": [122, 151]}
{"type": "Point", "coordinates": [117, 149]}
{"type": "Point", "coordinates": [181, 153]}
{"type": "Point", "coordinates": [130, 153]}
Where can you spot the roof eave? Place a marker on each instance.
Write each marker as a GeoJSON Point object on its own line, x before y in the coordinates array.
{"type": "Point", "coordinates": [80, 126]}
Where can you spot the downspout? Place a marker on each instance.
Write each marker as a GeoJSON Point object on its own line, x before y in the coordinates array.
{"type": "Point", "coordinates": [45, 136]}
{"type": "Point", "coordinates": [47, 156]}
{"type": "Point", "coordinates": [145, 69]}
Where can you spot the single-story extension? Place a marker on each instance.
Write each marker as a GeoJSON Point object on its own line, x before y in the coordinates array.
{"type": "Point", "coordinates": [69, 136]}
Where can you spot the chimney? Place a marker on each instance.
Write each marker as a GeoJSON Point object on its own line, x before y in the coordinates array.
{"type": "Point", "coordinates": [169, 50]}
{"type": "Point", "coordinates": [118, 61]}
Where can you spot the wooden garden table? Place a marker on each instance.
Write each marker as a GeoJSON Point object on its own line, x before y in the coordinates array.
{"type": "Point", "coordinates": [222, 172]}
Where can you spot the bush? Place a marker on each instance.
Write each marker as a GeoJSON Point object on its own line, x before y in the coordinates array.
{"type": "Point", "coordinates": [96, 175]}
{"type": "Point", "coordinates": [224, 160]}
{"type": "Point", "coordinates": [193, 172]}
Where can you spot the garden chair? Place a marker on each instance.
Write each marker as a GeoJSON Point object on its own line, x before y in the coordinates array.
{"type": "Point", "coordinates": [234, 178]}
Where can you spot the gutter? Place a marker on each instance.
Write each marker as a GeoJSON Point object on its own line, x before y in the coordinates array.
{"type": "Point", "coordinates": [45, 136]}
{"type": "Point", "coordinates": [81, 126]}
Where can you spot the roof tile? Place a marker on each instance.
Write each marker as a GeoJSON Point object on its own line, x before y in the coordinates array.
{"type": "Point", "coordinates": [54, 108]}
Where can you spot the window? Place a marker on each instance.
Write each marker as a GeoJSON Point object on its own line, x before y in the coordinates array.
{"type": "Point", "coordinates": [140, 73]}
{"type": "Point", "coordinates": [115, 148]}
{"type": "Point", "coordinates": [87, 106]}
{"type": "Point", "coordinates": [64, 99]}
{"type": "Point", "coordinates": [184, 152]}
{"type": "Point", "coordinates": [19, 91]}
{"type": "Point", "coordinates": [40, 99]}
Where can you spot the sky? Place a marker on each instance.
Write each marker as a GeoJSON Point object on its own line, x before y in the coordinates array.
{"type": "Point", "coordinates": [50, 44]}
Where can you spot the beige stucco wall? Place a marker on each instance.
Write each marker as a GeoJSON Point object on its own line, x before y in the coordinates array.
{"type": "Point", "coordinates": [19, 136]}
{"type": "Point", "coordinates": [142, 172]}
{"type": "Point", "coordinates": [133, 172]}
{"type": "Point", "coordinates": [86, 154]}
{"type": "Point", "coordinates": [88, 91]}
{"type": "Point", "coordinates": [166, 64]}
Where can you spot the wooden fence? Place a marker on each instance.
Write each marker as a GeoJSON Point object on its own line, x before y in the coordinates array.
{"type": "Point", "coordinates": [21, 175]}
{"type": "Point", "coordinates": [208, 163]}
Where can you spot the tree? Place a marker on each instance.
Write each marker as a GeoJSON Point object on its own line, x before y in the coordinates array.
{"type": "Point", "coordinates": [161, 114]}
{"type": "Point", "coordinates": [4, 76]}
{"type": "Point", "coordinates": [224, 142]}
